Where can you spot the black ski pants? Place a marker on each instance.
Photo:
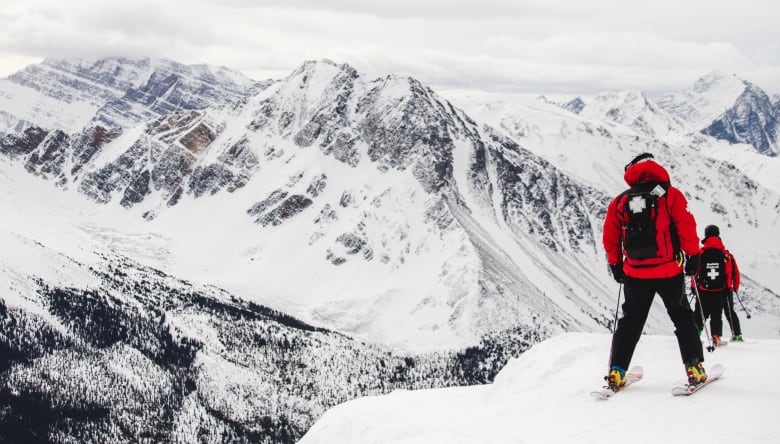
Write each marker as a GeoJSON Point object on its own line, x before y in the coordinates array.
{"type": "Point", "coordinates": [709, 304]}
{"type": "Point", "coordinates": [731, 314]}
{"type": "Point", "coordinates": [639, 294]}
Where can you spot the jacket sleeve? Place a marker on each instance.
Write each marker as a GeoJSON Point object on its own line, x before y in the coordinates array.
{"type": "Point", "coordinates": [734, 273]}
{"type": "Point", "coordinates": [729, 271]}
{"type": "Point", "coordinates": [612, 234]}
{"type": "Point", "coordinates": [683, 221]}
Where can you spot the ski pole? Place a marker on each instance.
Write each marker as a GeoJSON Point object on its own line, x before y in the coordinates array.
{"type": "Point", "coordinates": [710, 347]}
{"type": "Point", "coordinates": [614, 329]}
{"type": "Point", "coordinates": [617, 307]}
{"type": "Point", "coordinates": [739, 299]}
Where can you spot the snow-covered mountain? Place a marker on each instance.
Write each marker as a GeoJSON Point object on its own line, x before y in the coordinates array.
{"type": "Point", "coordinates": [443, 230]}
{"type": "Point", "coordinates": [752, 120]}
{"type": "Point", "coordinates": [542, 397]}
{"type": "Point", "coordinates": [113, 92]}
{"type": "Point", "coordinates": [728, 108]}
{"type": "Point", "coordinates": [328, 212]}
{"type": "Point", "coordinates": [717, 179]}
{"type": "Point", "coordinates": [631, 109]}
{"type": "Point", "coordinates": [97, 347]}
{"type": "Point", "coordinates": [709, 97]}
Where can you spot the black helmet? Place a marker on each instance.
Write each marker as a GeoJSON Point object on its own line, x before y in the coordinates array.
{"type": "Point", "coordinates": [711, 230]}
{"type": "Point", "coordinates": [638, 159]}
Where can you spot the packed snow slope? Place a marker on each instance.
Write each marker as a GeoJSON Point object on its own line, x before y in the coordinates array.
{"type": "Point", "coordinates": [543, 397]}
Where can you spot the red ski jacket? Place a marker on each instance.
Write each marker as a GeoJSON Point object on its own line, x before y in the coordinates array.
{"type": "Point", "coordinates": [732, 270]}
{"type": "Point", "coordinates": [672, 214]}
{"type": "Point", "coordinates": [735, 277]}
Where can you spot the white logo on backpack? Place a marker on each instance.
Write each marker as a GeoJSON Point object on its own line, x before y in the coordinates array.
{"type": "Point", "coordinates": [712, 271]}
{"type": "Point", "coordinates": [637, 204]}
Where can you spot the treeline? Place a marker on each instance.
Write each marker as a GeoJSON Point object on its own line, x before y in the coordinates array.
{"type": "Point", "coordinates": [146, 357]}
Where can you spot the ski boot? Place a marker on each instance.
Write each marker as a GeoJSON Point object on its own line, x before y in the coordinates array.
{"type": "Point", "coordinates": [696, 374]}
{"type": "Point", "coordinates": [616, 379]}
{"type": "Point", "coordinates": [716, 340]}
{"type": "Point", "coordinates": [737, 338]}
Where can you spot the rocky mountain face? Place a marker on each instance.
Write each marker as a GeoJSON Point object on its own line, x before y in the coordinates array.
{"type": "Point", "coordinates": [727, 108]}
{"type": "Point", "coordinates": [752, 120]}
{"type": "Point", "coordinates": [393, 124]}
{"type": "Point", "coordinates": [361, 174]}
{"type": "Point", "coordinates": [574, 105]}
{"type": "Point", "coordinates": [702, 103]}
{"type": "Point", "coordinates": [68, 95]}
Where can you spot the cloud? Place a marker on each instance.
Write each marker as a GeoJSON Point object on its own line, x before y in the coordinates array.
{"type": "Point", "coordinates": [542, 46]}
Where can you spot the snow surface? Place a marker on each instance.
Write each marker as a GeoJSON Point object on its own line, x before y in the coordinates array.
{"type": "Point", "coordinates": [543, 397]}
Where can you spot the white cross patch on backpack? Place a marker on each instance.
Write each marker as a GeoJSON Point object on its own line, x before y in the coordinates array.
{"type": "Point", "coordinates": [712, 271]}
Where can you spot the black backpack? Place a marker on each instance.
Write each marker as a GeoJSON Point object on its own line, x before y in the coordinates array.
{"type": "Point", "coordinates": [712, 269]}
{"type": "Point", "coordinates": [641, 209]}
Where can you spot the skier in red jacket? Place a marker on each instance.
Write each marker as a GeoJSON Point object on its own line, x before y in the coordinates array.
{"type": "Point", "coordinates": [646, 231]}
{"type": "Point", "coordinates": [731, 313]}
{"type": "Point", "coordinates": [715, 279]}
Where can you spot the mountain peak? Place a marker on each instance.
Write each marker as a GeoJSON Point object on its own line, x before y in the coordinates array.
{"type": "Point", "coordinates": [310, 66]}
{"type": "Point", "coordinates": [709, 97]}
{"type": "Point", "coordinates": [630, 108]}
{"type": "Point", "coordinates": [715, 80]}
{"type": "Point", "coordinates": [752, 119]}
{"type": "Point", "coordinates": [575, 105]}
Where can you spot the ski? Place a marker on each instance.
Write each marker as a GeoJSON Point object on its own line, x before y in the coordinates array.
{"type": "Point", "coordinates": [713, 375]}
{"type": "Point", "coordinates": [633, 375]}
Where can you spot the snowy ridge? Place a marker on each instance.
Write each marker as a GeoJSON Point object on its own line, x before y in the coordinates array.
{"type": "Point", "coordinates": [751, 120]}
{"type": "Point", "coordinates": [709, 97]}
{"type": "Point", "coordinates": [543, 397]}
{"type": "Point", "coordinates": [115, 92]}
{"type": "Point", "coordinates": [634, 110]}
{"type": "Point", "coordinates": [728, 108]}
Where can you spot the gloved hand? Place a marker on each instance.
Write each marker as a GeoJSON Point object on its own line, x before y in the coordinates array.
{"type": "Point", "coordinates": [617, 272]}
{"type": "Point", "coordinates": [692, 265]}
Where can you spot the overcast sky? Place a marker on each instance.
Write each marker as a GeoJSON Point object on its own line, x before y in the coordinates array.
{"type": "Point", "coordinates": [525, 46]}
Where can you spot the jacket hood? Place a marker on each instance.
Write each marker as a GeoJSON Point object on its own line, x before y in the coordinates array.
{"type": "Point", "coordinates": [645, 171]}
{"type": "Point", "coordinates": [713, 242]}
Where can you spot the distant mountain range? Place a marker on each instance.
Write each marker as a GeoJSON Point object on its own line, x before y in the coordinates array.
{"type": "Point", "coordinates": [719, 105]}
{"type": "Point", "coordinates": [69, 95]}
{"type": "Point", "coordinates": [232, 257]}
